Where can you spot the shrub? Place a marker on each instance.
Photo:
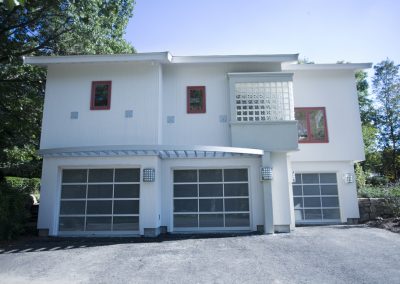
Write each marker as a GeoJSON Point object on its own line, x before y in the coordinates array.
{"type": "Point", "coordinates": [26, 185]}
{"type": "Point", "coordinates": [377, 181]}
{"type": "Point", "coordinates": [390, 193]}
{"type": "Point", "coordinates": [15, 205]}
{"type": "Point", "coordinates": [360, 176]}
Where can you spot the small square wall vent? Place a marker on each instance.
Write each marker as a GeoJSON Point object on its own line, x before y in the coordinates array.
{"type": "Point", "coordinates": [170, 119]}
{"type": "Point", "coordinates": [129, 113]}
{"type": "Point", "coordinates": [74, 115]}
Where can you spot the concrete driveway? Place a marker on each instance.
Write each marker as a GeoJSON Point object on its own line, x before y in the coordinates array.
{"type": "Point", "coordinates": [334, 254]}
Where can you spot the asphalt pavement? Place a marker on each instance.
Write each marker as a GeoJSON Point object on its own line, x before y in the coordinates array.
{"type": "Point", "coordinates": [331, 254]}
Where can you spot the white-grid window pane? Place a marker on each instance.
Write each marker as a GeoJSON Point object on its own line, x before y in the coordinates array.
{"type": "Point", "coordinates": [315, 198]}
{"type": "Point", "coordinates": [99, 200]}
{"type": "Point", "coordinates": [211, 198]}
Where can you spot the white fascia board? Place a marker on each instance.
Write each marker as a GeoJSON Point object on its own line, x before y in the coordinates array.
{"type": "Point", "coordinates": [318, 67]}
{"type": "Point", "coordinates": [162, 57]}
{"type": "Point", "coordinates": [236, 58]}
{"type": "Point", "coordinates": [260, 74]}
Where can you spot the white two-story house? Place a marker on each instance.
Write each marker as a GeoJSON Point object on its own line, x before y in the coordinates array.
{"type": "Point", "coordinates": [148, 143]}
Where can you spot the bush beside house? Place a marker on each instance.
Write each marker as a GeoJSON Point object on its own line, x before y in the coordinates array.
{"type": "Point", "coordinates": [15, 205]}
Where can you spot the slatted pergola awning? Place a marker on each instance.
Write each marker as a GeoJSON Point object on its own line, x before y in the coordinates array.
{"type": "Point", "coordinates": [162, 151]}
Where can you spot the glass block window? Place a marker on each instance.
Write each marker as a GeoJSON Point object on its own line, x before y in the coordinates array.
{"type": "Point", "coordinates": [211, 199]}
{"type": "Point", "coordinates": [316, 198]}
{"type": "Point", "coordinates": [264, 101]}
{"type": "Point", "coordinates": [99, 200]}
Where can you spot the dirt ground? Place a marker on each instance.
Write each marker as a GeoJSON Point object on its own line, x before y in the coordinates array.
{"type": "Point", "coordinates": [390, 224]}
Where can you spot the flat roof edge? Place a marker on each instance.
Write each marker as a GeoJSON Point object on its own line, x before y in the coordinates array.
{"type": "Point", "coordinates": [236, 58]}
{"type": "Point", "coordinates": [163, 57]}
{"type": "Point", "coordinates": [336, 66]}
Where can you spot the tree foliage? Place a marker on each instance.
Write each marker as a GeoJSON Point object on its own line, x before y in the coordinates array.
{"type": "Point", "coordinates": [386, 86]}
{"type": "Point", "coordinates": [367, 110]}
{"type": "Point", "coordinates": [46, 27]}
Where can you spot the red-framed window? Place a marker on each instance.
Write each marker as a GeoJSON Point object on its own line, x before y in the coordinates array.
{"type": "Point", "coordinates": [311, 124]}
{"type": "Point", "coordinates": [196, 99]}
{"type": "Point", "coordinates": [101, 95]}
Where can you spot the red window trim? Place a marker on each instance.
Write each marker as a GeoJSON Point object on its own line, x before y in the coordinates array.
{"type": "Point", "coordinates": [310, 138]}
{"type": "Point", "coordinates": [92, 98]}
{"type": "Point", "coordinates": [203, 92]}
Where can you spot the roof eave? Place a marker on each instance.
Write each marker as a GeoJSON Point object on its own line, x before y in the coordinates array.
{"type": "Point", "coordinates": [162, 57]}
{"type": "Point", "coordinates": [337, 66]}
{"type": "Point", "coordinates": [280, 58]}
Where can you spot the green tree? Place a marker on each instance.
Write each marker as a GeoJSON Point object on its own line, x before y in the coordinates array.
{"type": "Point", "coordinates": [368, 121]}
{"type": "Point", "coordinates": [386, 86]}
{"type": "Point", "coordinates": [46, 27]}
{"type": "Point", "coordinates": [367, 110]}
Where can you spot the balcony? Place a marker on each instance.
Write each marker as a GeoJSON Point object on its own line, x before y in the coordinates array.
{"type": "Point", "coordinates": [262, 111]}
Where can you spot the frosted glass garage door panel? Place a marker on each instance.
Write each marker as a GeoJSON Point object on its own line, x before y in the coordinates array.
{"type": "Point", "coordinates": [126, 191]}
{"type": "Point", "coordinates": [74, 224]}
{"type": "Point", "coordinates": [127, 175]}
{"type": "Point", "coordinates": [73, 191]}
{"type": "Point", "coordinates": [100, 191]}
{"type": "Point", "coordinates": [236, 189]}
{"type": "Point", "coordinates": [101, 175]}
{"type": "Point", "coordinates": [98, 224]}
{"type": "Point", "coordinates": [210, 205]}
{"type": "Point", "coordinates": [237, 220]}
{"type": "Point", "coordinates": [126, 223]}
{"type": "Point", "coordinates": [72, 207]}
{"type": "Point", "coordinates": [211, 220]}
{"type": "Point", "coordinates": [185, 190]}
{"type": "Point", "coordinates": [211, 190]}
{"type": "Point", "coordinates": [186, 221]}
{"type": "Point", "coordinates": [74, 176]}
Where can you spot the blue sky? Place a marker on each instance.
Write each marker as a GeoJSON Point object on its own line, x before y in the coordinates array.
{"type": "Point", "coordinates": [322, 31]}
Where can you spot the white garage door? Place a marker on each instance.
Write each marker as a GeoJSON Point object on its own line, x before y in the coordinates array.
{"type": "Point", "coordinates": [99, 201]}
{"type": "Point", "coordinates": [315, 197]}
{"type": "Point", "coordinates": [211, 199]}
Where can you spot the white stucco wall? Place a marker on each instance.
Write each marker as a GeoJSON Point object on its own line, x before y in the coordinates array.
{"type": "Point", "coordinates": [135, 86]}
{"type": "Point", "coordinates": [281, 188]}
{"type": "Point", "coordinates": [204, 128]}
{"type": "Point", "coordinates": [336, 91]}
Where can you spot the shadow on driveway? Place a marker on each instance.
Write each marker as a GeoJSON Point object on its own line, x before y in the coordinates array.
{"type": "Point", "coordinates": [38, 244]}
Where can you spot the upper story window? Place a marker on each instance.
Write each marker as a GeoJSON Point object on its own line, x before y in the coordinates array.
{"type": "Point", "coordinates": [311, 125]}
{"type": "Point", "coordinates": [196, 99]}
{"type": "Point", "coordinates": [101, 95]}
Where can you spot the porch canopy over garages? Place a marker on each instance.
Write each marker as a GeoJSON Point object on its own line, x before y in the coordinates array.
{"type": "Point", "coordinates": [162, 151]}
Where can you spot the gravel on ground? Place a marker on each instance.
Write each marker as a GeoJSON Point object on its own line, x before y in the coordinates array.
{"type": "Point", "coordinates": [325, 254]}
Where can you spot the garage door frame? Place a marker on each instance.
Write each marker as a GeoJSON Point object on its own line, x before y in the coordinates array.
{"type": "Point", "coordinates": [212, 229]}
{"type": "Point", "coordinates": [323, 186]}
{"type": "Point", "coordinates": [87, 183]}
